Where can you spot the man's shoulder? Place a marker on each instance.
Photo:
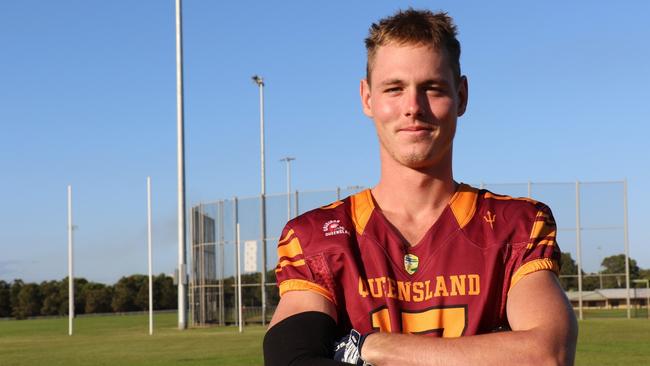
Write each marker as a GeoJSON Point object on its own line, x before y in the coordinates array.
{"type": "Point", "coordinates": [503, 218]}
{"type": "Point", "coordinates": [332, 221]}
{"type": "Point", "coordinates": [521, 208]}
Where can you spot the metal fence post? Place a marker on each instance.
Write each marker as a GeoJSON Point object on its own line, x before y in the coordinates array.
{"type": "Point", "coordinates": [296, 203]}
{"type": "Point", "coordinates": [235, 208]}
{"type": "Point", "coordinates": [221, 267]}
{"type": "Point", "coordinates": [627, 249]}
{"type": "Point", "coordinates": [239, 285]}
{"type": "Point", "coordinates": [578, 250]}
{"type": "Point", "coordinates": [191, 288]}
{"type": "Point", "coordinates": [70, 265]}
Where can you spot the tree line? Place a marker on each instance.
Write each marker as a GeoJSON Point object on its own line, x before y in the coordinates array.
{"type": "Point", "coordinates": [612, 274]}
{"type": "Point", "coordinates": [21, 300]}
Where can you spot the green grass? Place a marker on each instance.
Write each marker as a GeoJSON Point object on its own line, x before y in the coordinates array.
{"type": "Point", "coordinates": [613, 313]}
{"type": "Point", "coordinates": [614, 342]}
{"type": "Point", "coordinates": [124, 340]}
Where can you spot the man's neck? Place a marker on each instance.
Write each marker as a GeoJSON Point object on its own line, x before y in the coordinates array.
{"type": "Point", "coordinates": [412, 200]}
{"type": "Point", "coordinates": [412, 192]}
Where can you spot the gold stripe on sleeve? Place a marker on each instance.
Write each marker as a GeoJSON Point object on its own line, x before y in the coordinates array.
{"type": "Point", "coordinates": [286, 237]}
{"type": "Point", "coordinates": [549, 242]}
{"type": "Point", "coordinates": [534, 266]}
{"type": "Point", "coordinates": [285, 263]}
{"type": "Point", "coordinates": [290, 249]}
{"type": "Point", "coordinates": [542, 232]}
{"type": "Point", "coordinates": [541, 228]}
{"type": "Point", "coordinates": [303, 285]}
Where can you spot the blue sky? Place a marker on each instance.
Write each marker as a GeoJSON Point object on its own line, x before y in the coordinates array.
{"type": "Point", "coordinates": [558, 93]}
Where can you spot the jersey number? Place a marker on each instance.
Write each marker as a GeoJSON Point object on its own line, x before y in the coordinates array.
{"type": "Point", "coordinates": [449, 321]}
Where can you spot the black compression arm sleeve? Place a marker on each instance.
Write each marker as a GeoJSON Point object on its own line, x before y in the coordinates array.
{"type": "Point", "coordinates": [304, 339]}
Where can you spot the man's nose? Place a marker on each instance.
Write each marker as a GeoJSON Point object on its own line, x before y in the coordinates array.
{"type": "Point", "coordinates": [414, 103]}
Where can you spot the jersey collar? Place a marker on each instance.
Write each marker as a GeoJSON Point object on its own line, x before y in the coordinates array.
{"type": "Point", "coordinates": [462, 204]}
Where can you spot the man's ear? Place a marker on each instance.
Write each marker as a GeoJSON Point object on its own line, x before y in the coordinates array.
{"type": "Point", "coordinates": [366, 101]}
{"type": "Point", "coordinates": [463, 94]}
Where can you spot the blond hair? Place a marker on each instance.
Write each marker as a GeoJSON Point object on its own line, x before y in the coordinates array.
{"type": "Point", "coordinates": [417, 27]}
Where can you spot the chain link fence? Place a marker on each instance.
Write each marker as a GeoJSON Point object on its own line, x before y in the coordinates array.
{"type": "Point", "coordinates": [213, 280]}
{"type": "Point", "coordinates": [591, 219]}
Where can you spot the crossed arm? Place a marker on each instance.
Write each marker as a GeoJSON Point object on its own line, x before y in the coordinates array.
{"type": "Point", "coordinates": [544, 331]}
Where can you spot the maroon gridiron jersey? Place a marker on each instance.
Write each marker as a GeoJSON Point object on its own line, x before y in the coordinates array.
{"type": "Point", "coordinates": [454, 282]}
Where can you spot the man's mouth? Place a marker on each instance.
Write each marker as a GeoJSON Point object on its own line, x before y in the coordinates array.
{"type": "Point", "coordinates": [415, 128]}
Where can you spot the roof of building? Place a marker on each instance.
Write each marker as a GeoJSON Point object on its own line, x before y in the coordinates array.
{"type": "Point", "coordinates": [586, 296]}
{"type": "Point", "coordinates": [609, 294]}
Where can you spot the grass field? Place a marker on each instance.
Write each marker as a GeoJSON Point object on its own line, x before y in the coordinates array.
{"type": "Point", "coordinates": [124, 340]}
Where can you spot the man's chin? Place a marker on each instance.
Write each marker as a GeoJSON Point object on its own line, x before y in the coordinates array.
{"type": "Point", "coordinates": [421, 161]}
{"type": "Point", "coordinates": [417, 161]}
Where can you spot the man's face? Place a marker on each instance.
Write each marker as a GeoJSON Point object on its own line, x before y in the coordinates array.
{"type": "Point", "coordinates": [414, 101]}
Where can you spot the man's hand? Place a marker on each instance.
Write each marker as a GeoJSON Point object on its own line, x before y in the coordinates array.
{"type": "Point", "coordinates": [348, 349]}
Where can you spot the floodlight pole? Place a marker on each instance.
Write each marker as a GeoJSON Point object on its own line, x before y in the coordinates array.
{"type": "Point", "coordinates": [288, 161]}
{"type": "Point", "coordinates": [70, 268]}
{"type": "Point", "coordinates": [260, 83]}
{"type": "Point", "coordinates": [180, 156]}
{"type": "Point", "coordinates": [149, 255]}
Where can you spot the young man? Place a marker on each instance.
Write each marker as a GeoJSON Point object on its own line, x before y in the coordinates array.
{"type": "Point", "coordinates": [421, 269]}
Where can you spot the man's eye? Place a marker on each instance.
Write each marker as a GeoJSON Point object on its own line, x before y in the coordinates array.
{"type": "Point", "coordinates": [434, 89]}
{"type": "Point", "coordinates": [393, 90]}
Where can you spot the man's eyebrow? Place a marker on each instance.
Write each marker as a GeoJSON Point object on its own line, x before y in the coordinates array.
{"type": "Point", "coordinates": [442, 82]}
{"type": "Point", "coordinates": [391, 82]}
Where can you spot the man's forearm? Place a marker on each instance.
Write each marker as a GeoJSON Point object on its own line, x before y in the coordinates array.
{"type": "Point", "coordinates": [545, 332]}
{"type": "Point", "coordinates": [526, 347]}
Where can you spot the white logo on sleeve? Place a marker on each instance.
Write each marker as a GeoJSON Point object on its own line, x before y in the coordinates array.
{"type": "Point", "coordinates": [334, 227]}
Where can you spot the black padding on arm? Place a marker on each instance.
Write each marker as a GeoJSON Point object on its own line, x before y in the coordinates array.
{"type": "Point", "coordinates": [304, 339]}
